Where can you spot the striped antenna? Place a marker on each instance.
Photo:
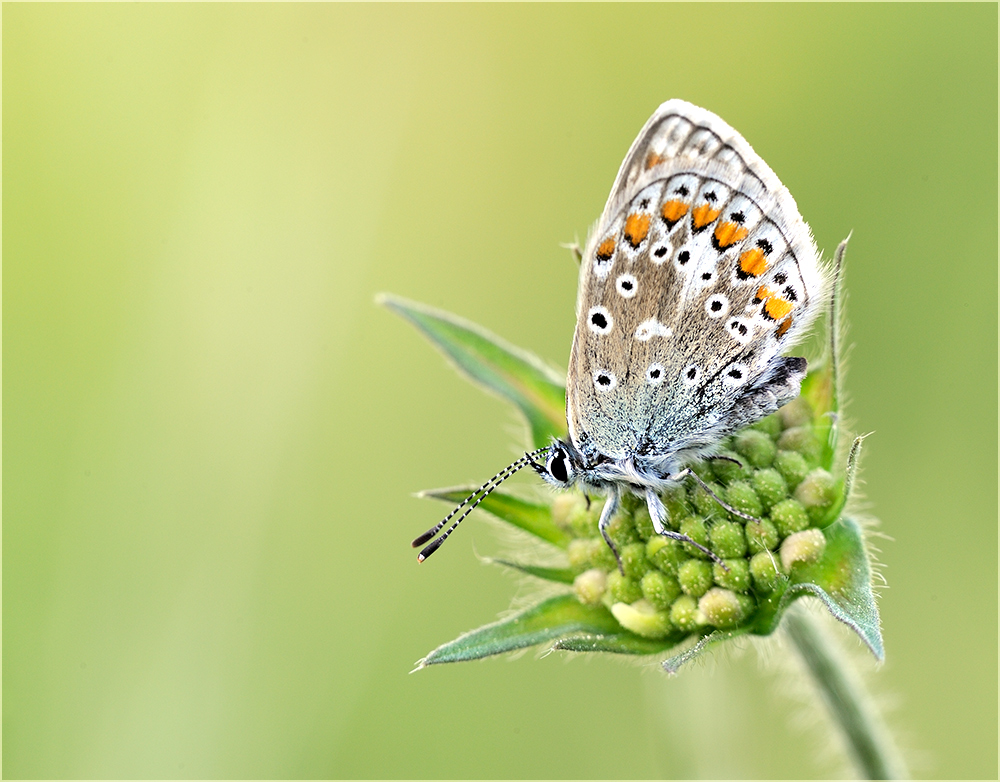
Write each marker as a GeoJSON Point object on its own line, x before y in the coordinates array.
{"type": "Point", "coordinates": [472, 501]}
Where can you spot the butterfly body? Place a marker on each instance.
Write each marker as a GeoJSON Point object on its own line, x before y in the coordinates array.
{"type": "Point", "coordinates": [698, 275]}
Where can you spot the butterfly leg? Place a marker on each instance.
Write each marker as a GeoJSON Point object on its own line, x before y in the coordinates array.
{"type": "Point", "coordinates": [658, 515]}
{"type": "Point", "coordinates": [610, 507]}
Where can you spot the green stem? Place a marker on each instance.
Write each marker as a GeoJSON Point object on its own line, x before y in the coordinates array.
{"type": "Point", "coordinates": [850, 704]}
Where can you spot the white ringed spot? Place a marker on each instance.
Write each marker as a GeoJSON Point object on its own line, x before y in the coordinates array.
{"type": "Point", "coordinates": [599, 320]}
{"type": "Point", "coordinates": [652, 328]}
{"type": "Point", "coordinates": [691, 374]}
{"type": "Point", "coordinates": [654, 375]}
{"type": "Point", "coordinates": [717, 305]}
{"type": "Point", "coordinates": [736, 374]}
{"type": "Point", "coordinates": [741, 330]}
{"type": "Point", "coordinates": [604, 381]}
{"type": "Point", "coordinates": [627, 285]}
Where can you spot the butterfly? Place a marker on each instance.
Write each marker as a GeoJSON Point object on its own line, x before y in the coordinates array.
{"type": "Point", "coordinates": [698, 276]}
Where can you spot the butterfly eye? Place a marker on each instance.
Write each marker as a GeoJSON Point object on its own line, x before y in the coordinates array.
{"type": "Point", "coordinates": [558, 466]}
{"type": "Point", "coordinates": [654, 375]}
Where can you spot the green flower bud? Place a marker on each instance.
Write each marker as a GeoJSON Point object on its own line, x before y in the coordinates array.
{"type": "Point", "coordinates": [590, 586]}
{"type": "Point", "coordinates": [801, 439]}
{"type": "Point", "coordinates": [694, 527]}
{"type": "Point", "coordinates": [727, 539]}
{"type": "Point", "coordinates": [770, 487]}
{"type": "Point", "coordinates": [643, 523]}
{"type": "Point", "coordinates": [704, 502]}
{"type": "Point", "coordinates": [789, 516]}
{"type": "Point", "coordinates": [755, 447]}
{"type": "Point", "coordinates": [724, 608]}
{"type": "Point", "coordinates": [622, 531]}
{"type": "Point", "coordinates": [676, 502]}
{"type": "Point", "coordinates": [806, 546]}
{"type": "Point", "coordinates": [764, 569]}
{"type": "Point", "coordinates": [623, 589]}
{"type": "Point", "coordinates": [684, 614]}
{"type": "Point", "coordinates": [741, 496]}
{"type": "Point", "coordinates": [582, 522]}
{"type": "Point", "coordinates": [634, 560]}
{"type": "Point", "coordinates": [725, 470]}
{"type": "Point", "coordinates": [665, 553]}
{"type": "Point", "coordinates": [695, 577]}
{"type": "Point", "coordinates": [642, 619]}
{"type": "Point", "coordinates": [761, 535]}
{"type": "Point", "coordinates": [703, 470]}
{"type": "Point", "coordinates": [736, 578]}
{"type": "Point", "coordinates": [579, 554]}
{"type": "Point", "coordinates": [599, 555]}
{"type": "Point", "coordinates": [798, 412]}
{"type": "Point", "coordinates": [792, 466]}
{"type": "Point", "coordinates": [660, 589]}
{"type": "Point", "coordinates": [771, 426]}
{"type": "Point", "coordinates": [817, 493]}
{"type": "Point", "coordinates": [564, 504]}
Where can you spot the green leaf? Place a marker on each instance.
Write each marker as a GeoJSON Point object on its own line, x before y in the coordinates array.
{"type": "Point", "coordinates": [550, 619]}
{"type": "Point", "coordinates": [706, 642]}
{"type": "Point", "coordinates": [529, 516]}
{"type": "Point", "coordinates": [561, 575]}
{"type": "Point", "coordinates": [510, 372]}
{"type": "Point", "coordinates": [842, 580]}
{"type": "Point", "coordinates": [615, 643]}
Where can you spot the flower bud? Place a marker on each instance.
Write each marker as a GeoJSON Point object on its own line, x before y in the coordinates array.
{"type": "Point", "coordinates": [770, 487]}
{"type": "Point", "coordinates": [771, 426]}
{"type": "Point", "coordinates": [801, 439]}
{"type": "Point", "coordinates": [694, 527]}
{"type": "Point", "coordinates": [563, 505]}
{"type": "Point", "coordinates": [737, 577]}
{"type": "Point", "coordinates": [727, 539]}
{"type": "Point", "coordinates": [724, 608]}
{"type": "Point", "coordinates": [742, 497]}
{"type": "Point", "coordinates": [806, 546]}
{"type": "Point", "coordinates": [623, 589]}
{"type": "Point", "coordinates": [660, 589]}
{"type": "Point", "coordinates": [755, 447]}
{"type": "Point", "coordinates": [798, 412]}
{"type": "Point", "coordinates": [789, 516]}
{"type": "Point", "coordinates": [684, 614]}
{"type": "Point", "coordinates": [665, 553]}
{"type": "Point", "coordinates": [634, 560]}
{"type": "Point", "coordinates": [643, 619]}
{"type": "Point", "coordinates": [764, 569]}
{"type": "Point", "coordinates": [695, 577]}
{"type": "Point", "coordinates": [817, 493]}
{"type": "Point", "coordinates": [590, 586]}
{"type": "Point", "coordinates": [792, 466]}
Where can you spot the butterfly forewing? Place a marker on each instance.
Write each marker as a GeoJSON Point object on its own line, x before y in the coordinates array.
{"type": "Point", "coordinates": [689, 290]}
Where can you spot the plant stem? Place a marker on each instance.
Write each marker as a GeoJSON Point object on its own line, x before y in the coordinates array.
{"type": "Point", "coordinates": [850, 704]}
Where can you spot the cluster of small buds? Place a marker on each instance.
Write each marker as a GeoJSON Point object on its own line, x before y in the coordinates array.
{"type": "Point", "coordinates": [670, 587]}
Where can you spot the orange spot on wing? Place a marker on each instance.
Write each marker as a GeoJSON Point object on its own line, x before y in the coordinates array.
{"type": "Point", "coordinates": [753, 263]}
{"type": "Point", "coordinates": [673, 211]}
{"type": "Point", "coordinates": [763, 294]}
{"type": "Point", "coordinates": [729, 233]}
{"type": "Point", "coordinates": [703, 215]}
{"type": "Point", "coordinates": [636, 228]}
{"type": "Point", "coordinates": [776, 307]}
{"type": "Point", "coordinates": [653, 159]}
{"type": "Point", "coordinates": [785, 324]}
{"type": "Point", "coordinates": [606, 249]}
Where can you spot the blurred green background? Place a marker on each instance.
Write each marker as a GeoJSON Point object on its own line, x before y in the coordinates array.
{"type": "Point", "coordinates": [211, 432]}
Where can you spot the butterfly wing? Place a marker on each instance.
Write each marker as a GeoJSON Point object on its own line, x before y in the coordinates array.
{"type": "Point", "coordinates": [698, 275]}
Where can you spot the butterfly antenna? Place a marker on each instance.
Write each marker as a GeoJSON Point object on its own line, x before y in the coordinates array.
{"type": "Point", "coordinates": [470, 503]}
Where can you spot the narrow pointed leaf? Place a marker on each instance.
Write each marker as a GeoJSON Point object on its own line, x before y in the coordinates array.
{"type": "Point", "coordinates": [673, 664]}
{"type": "Point", "coordinates": [550, 619]}
{"type": "Point", "coordinates": [842, 580]}
{"type": "Point", "coordinates": [615, 643]}
{"type": "Point", "coordinates": [529, 516]}
{"type": "Point", "coordinates": [508, 371]}
{"type": "Point", "coordinates": [560, 575]}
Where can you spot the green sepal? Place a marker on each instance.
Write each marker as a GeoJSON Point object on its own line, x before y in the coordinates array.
{"type": "Point", "coordinates": [706, 642]}
{"type": "Point", "coordinates": [841, 578]}
{"type": "Point", "coordinates": [561, 575]}
{"type": "Point", "coordinates": [556, 617]}
{"type": "Point", "coordinates": [615, 643]}
{"type": "Point", "coordinates": [510, 372]}
{"type": "Point", "coordinates": [528, 516]}
{"type": "Point", "coordinates": [818, 388]}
